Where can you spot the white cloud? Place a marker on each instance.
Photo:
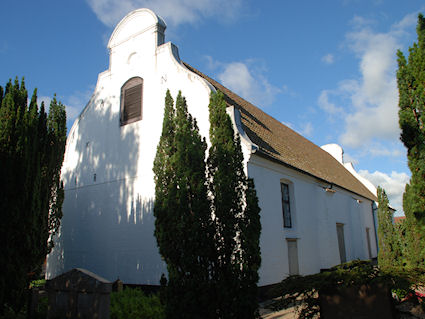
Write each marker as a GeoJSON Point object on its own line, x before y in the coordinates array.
{"type": "Point", "coordinates": [72, 112]}
{"type": "Point", "coordinates": [211, 63]}
{"type": "Point", "coordinates": [284, 89]}
{"type": "Point", "coordinates": [307, 129]}
{"type": "Point", "coordinates": [393, 184]}
{"type": "Point", "coordinates": [348, 158]}
{"type": "Point", "coordinates": [46, 100]}
{"type": "Point", "coordinates": [237, 77]}
{"type": "Point", "coordinates": [328, 58]}
{"type": "Point", "coordinates": [288, 124]}
{"type": "Point", "coordinates": [174, 12]}
{"type": "Point", "coordinates": [326, 105]}
{"type": "Point", "coordinates": [4, 47]}
{"type": "Point", "coordinates": [76, 102]}
{"type": "Point", "coordinates": [359, 22]}
{"type": "Point", "coordinates": [407, 22]}
{"type": "Point", "coordinates": [248, 80]}
{"type": "Point", "coordinates": [373, 97]}
{"type": "Point", "coordinates": [380, 150]}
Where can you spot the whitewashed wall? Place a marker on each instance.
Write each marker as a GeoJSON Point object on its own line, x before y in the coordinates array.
{"type": "Point", "coordinates": [315, 213]}
{"type": "Point", "coordinates": [108, 221]}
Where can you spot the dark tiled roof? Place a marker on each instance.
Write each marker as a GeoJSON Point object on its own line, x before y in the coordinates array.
{"type": "Point", "coordinates": [279, 143]}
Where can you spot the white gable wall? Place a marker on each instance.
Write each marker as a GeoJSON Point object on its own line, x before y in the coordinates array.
{"type": "Point", "coordinates": [108, 221]}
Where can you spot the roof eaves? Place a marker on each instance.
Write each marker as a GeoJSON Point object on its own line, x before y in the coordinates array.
{"type": "Point", "coordinates": [259, 152]}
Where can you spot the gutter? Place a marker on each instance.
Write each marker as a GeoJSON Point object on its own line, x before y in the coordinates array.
{"type": "Point", "coordinates": [270, 158]}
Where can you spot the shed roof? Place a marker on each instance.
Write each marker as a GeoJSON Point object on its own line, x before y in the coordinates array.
{"type": "Point", "coordinates": [79, 279]}
{"type": "Point", "coordinates": [278, 142]}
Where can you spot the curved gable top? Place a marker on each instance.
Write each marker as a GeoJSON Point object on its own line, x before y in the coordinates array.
{"type": "Point", "coordinates": [134, 23]}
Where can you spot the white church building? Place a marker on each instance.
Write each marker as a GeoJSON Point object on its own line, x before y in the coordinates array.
{"type": "Point", "coordinates": [315, 212]}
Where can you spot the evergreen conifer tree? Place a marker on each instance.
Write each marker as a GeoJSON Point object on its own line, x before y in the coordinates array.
{"type": "Point", "coordinates": [236, 217]}
{"type": "Point", "coordinates": [184, 225]}
{"type": "Point", "coordinates": [165, 180]}
{"type": "Point", "coordinates": [32, 145]}
{"type": "Point", "coordinates": [410, 80]}
{"type": "Point", "coordinates": [250, 230]}
{"type": "Point", "coordinates": [209, 237]}
{"type": "Point", "coordinates": [390, 254]}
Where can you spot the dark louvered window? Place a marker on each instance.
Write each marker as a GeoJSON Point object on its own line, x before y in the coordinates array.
{"type": "Point", "coordinates": [131, 101]}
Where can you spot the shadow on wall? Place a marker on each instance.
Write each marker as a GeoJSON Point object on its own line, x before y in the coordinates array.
{"type": "Point", "coordinates": [108, 221]}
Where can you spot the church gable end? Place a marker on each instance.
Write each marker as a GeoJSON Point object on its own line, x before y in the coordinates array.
{"type": "Point", "coordinates": [109, 187]}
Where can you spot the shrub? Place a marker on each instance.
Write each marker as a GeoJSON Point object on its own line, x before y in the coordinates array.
{"type": "Point", "coordinates": [302, 291]}
{"type": "Point", "coordinates": [400, 293]}
{"type": "Point", "coordinates": [41, 311]}
{"type": "Point", "coordinates": [9, 313]}
{"type": "Point", "coordinates": [39, 283]}
{"type": "Point", "coordinates": [134, 304]}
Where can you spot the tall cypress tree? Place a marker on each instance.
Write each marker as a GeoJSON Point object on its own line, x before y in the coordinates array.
{"type": "Point", "coordinates": [165, 181]}
{"type": "Point", "coordinates": [226, 186]}
{"type": "Point", "coordinates": [209, 238]}
{"type": "Point", "coordinates": [410, 80]}
{"type": "Point", "coordinates": [183, 225]}
{"type": "Point", "coordinates": [236, 216]}
{"type": "Point", "coordinates": [250, 229]}
{"type": "Point", "coordinates": [32, 145]}
{"type": "Point", "coordinates": [390, 254]}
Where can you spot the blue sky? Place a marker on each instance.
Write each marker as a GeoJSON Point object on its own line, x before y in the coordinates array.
{"type": "Point", "coordinates": [324, 68]}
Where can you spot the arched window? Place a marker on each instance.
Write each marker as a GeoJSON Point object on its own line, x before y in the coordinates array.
{"type": "Point", "coordinates": [131, 101]}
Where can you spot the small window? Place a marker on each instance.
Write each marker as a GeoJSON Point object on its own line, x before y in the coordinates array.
{"type": "Point", "coordinates": [131, 101]}
{"type": "Point", "coordinates": [286, 207]}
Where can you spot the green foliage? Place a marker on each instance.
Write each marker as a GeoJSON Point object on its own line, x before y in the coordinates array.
{"type": "Point", "coordinates": [410, 80]}
{"type": "Point", "coordinates": [400, 230]}
{"type": "Point", "coordinates": [302, 291]}
{"type": "Point", "coordinates": [390, 251]}
{"type": "Point", "coordinates": [183, 221]}
{"type": "Point", "coordinates": [9, 313]}
{"type": "Point", "coordinates": [164, 181]}
{"type": "Point", "coordinates": [236, 211]}
{"type": "Point", "coordinates": [39, 283]}
{"type": "Point", "coordinates": [42, 308]}
{"type": "Point", "coordinates": [39, 313]}
{"type": "Point", "coordinates": [400, 293]}
{"type": "Point", "coordinates": [250, 229]}
{"type": "Point", "coordinates": [134, 304]}
{"type": "Point", "coordinates": [32, 145]}
{"type": "Point", "coordinates": [207, 230]}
